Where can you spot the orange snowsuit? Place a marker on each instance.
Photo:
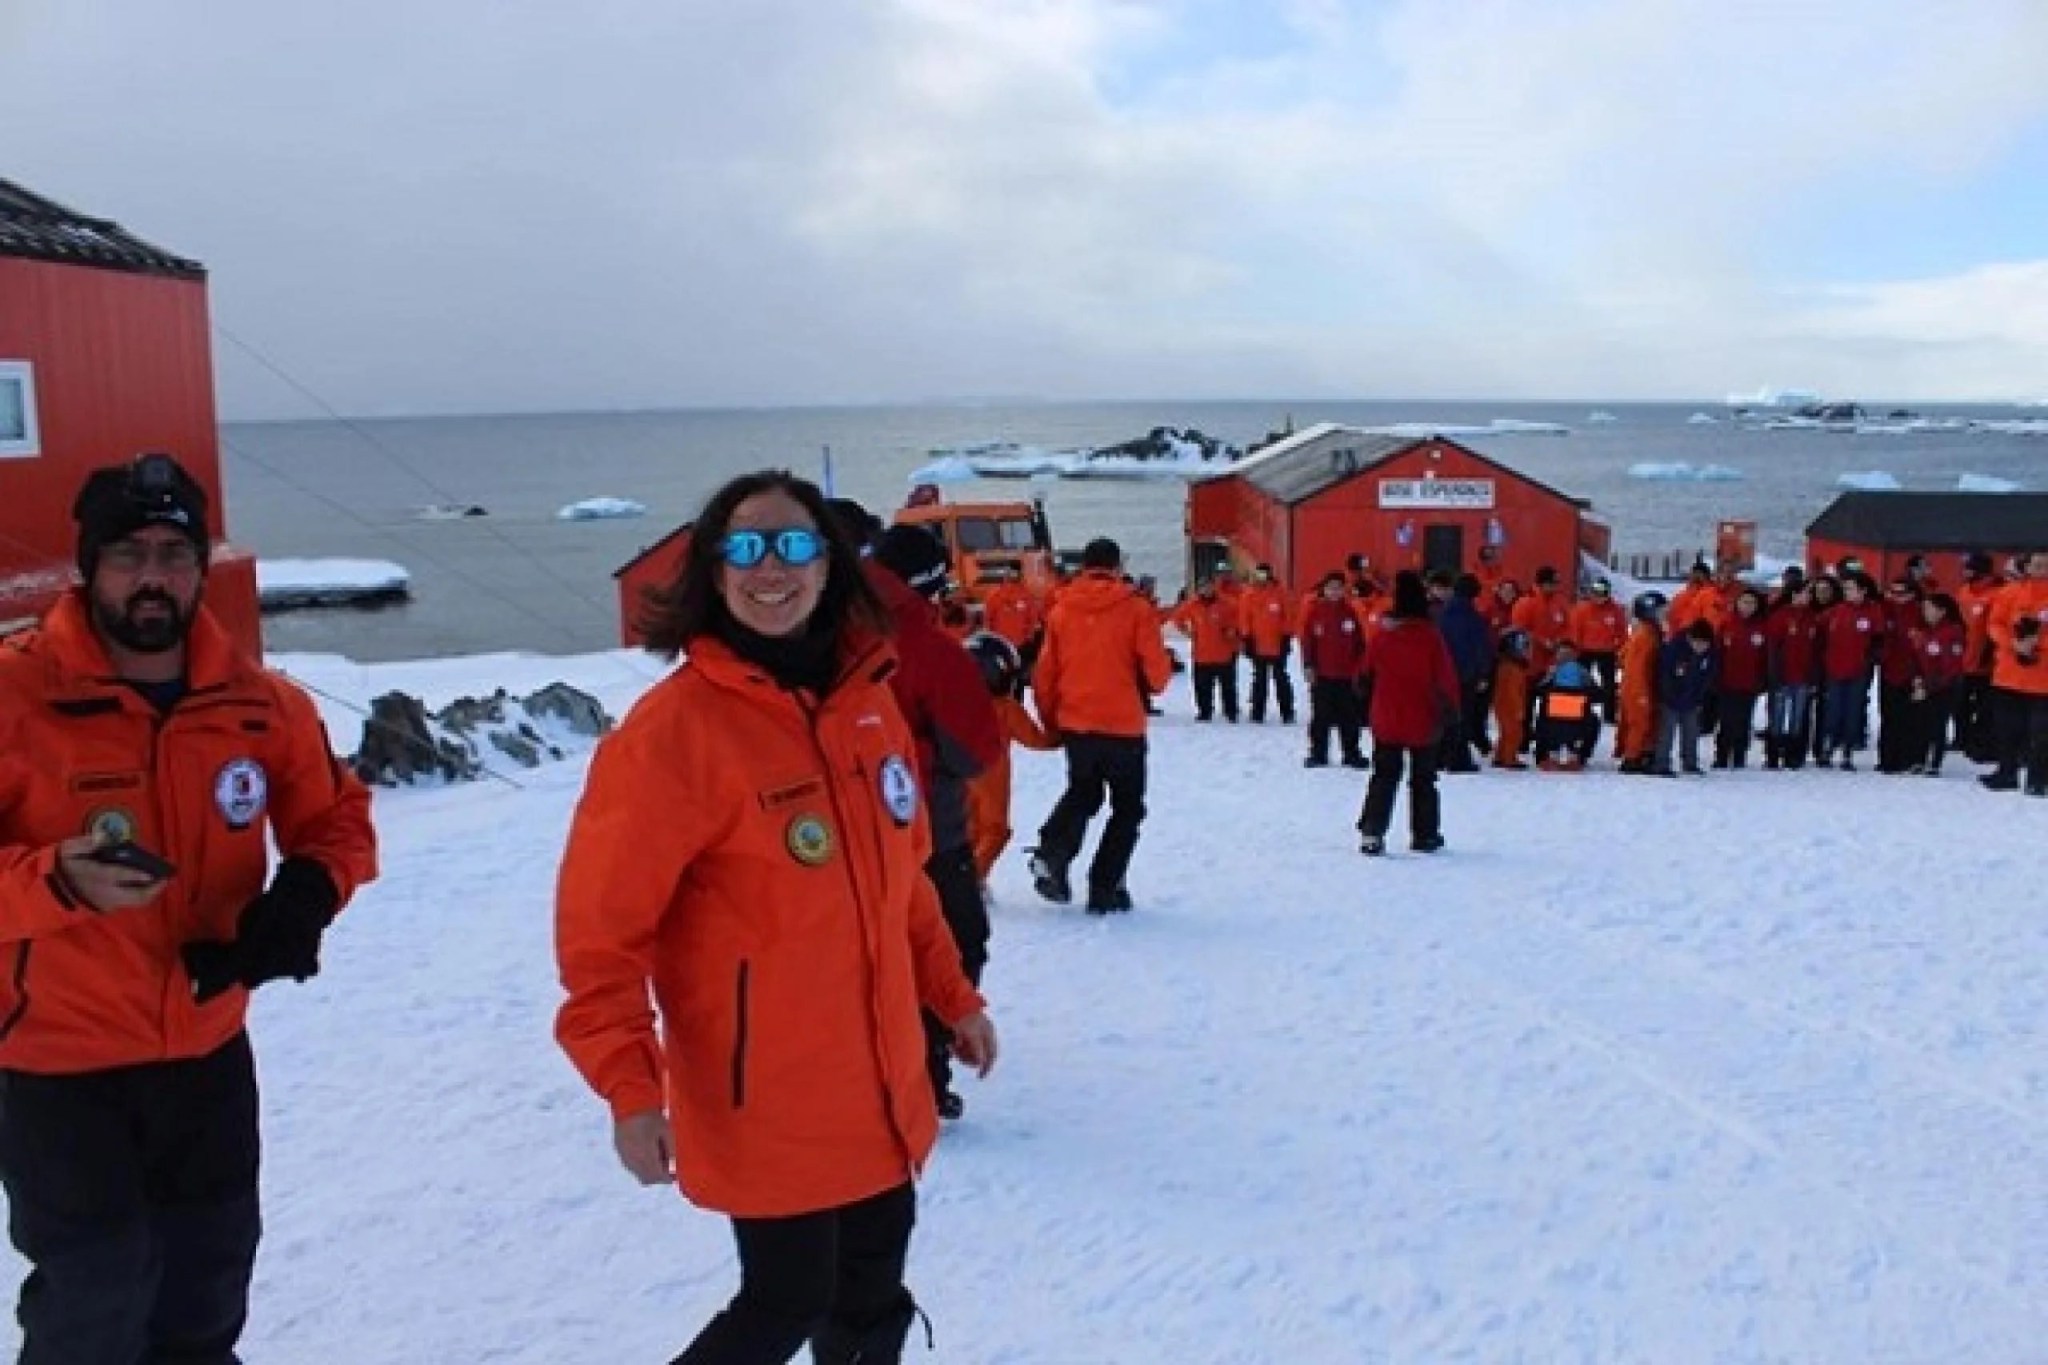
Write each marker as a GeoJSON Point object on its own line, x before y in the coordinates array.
{"type": "Point", "coordinates": [750, 862]}
{"type": "Point", "coordinates": [988, 795]}
{"type": "Point", "coordinates": [240, 761]}
{"type": "Point", "coordinates": [1636, 728]}
{"type": "Point", "coordinates": [1510, 703]}
{"type": "Point", "coordinates": [1102, 655]}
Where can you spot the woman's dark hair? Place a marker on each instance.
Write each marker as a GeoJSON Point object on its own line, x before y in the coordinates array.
{"type": "Point", "coordinates": [672, 616]}
{"type": "Point", "coordinates": [1411, 596]}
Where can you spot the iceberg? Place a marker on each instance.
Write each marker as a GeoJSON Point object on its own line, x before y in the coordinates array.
{"type": "Point", "coordinates": [601, 509]}
{"type": "Point", "coordinates": [288, 584]}
{"type": "Point", "coordinates": [945, 469]}
{"type": "Point", "coordinates": [1869, 481]}
{"type": "Point", "coordinates": [1601, 416]}
{"type": "Point", "coordinates": [1681, 472]}
{"type": "Point", "coordinates": [450, 511]}
{"type": "Point", "coordinates": [2025, 426]}
{"type": "Point", "coordinates": [1774, 398]}
{"type": "Point", "coordinates": [1988, 483]}
{"type": "Point", "coordinates": [1703, 419]}
{"type": "Point", "coordinates": [1499, 426]}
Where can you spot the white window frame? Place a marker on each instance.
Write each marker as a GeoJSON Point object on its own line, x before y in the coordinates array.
{"type": "Point", "coordinates": [29, 444]}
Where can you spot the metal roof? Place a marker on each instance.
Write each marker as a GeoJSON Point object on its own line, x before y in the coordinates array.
{"type": "Point", "coordinates": [38, 229]}
{"type": "Point", "coordinates": [1936, 521]}
{"type": "Point", "coordinates": [1298, 467]}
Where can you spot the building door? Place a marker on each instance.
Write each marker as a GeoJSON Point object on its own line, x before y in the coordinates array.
{"type": "Point", "coordinates": [1443, 547]}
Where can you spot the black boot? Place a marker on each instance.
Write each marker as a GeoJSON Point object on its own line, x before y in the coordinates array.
{"type": "Point", "coordinates": [1049, 877]}
{"type": "Point", "coordinates": [877, 1343]}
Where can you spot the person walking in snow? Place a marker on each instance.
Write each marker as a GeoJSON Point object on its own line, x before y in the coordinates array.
{"type": "Point", "coordinates": [1414, 697]}
{"type": "Point", "coordinates": [146, 769]}
{"type": "Point", "coordinates": [748, 859]}
{"type": "Point", "coordinates": [1103, 656]}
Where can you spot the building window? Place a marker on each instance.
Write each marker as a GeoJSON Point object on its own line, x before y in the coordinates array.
{"type": "Point", "coordinates": [18, 435]}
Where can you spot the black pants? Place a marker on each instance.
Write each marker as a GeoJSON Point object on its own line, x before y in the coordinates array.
{"type": "Point", "coordinates": [1898, 746]}
{"type": "Point", "coordinates": [953, 876]}
{"type": "Point", "coordinates": [132, 1195]}
{"type": "Point", "coordinates": [1475, 701]}
{"type": "Point", "coordinates": [1425, 811]}
{"type": "Point", "coordinates": [1273, 667]}
{"type": "Point", "coordinates": [2022, 725]}
{"type": "Point", "coordinates": [1976, 725]}
{"type": "Point", "coordinates": [1098, 766]}
{"type": "Point", "coordinates": [833, 1279]}
{"type": "Point", "coordinates": [1211, 678]}
{"type": "Point", "coordinates": [1605, 666]}
{"type": "Point", "coordinates": [1333, 705]}
{"type": "Point", "coordinates": [1738, 724]}
{"type": "Point", "coordinates": [1576, 737]}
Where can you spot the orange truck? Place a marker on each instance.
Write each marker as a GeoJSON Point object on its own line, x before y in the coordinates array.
{"type": "Point", "coordinates": [987, 540]}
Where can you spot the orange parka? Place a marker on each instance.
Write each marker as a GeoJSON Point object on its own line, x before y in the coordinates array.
{"type": "Point", "coordinates": [1211, 627]}
{"type": "Point", "coordinates": [1636, 728]}
{"type": "Point", "coordinates": [1103, 656]}
{"type": "Point", "coordinates": [1012, 612]}
{"type": "Point", "coordinates": [1547, 616]}
{"type": "Point", "coordinates": [2027, 597]}
{"type": "Point", "coordinates": [1264, 619]}
{"type": "Point", "coordinates": [1599, 626]}
{"type": "Point", "coordinates": [750, 861]}
{"type": "Point", "coordinates": [1976, 597]}
{"type": "Point", "coordinates": [242, 759]}
{"type": "Point", "coordinates": [988, 795]}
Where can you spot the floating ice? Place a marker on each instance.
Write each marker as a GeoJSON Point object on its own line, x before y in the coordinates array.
{"type": "Point", "coordinates": [1702, 419]}
{"type": "Point", "coordinates": [1499, 426]}
{"type": "Point", "coordinates": [1682, 472]}
{"type": "Point", "coordinates": [2025, 426]}
{"type": "Point", "coordinates": [283, 584]}
{"type": "Point", "coordinates": [1869, 481]}
{"type": "Point", "coordinates": [1601, 416]}
{"type": "Point", "coordinates": [1774, 398]}
{"type": "Point", "coordinates": [602, 509]}
{"type": "Point", "coordinates": [1988, 483]}
{"type": "Point", "coordinates": [945, 469]}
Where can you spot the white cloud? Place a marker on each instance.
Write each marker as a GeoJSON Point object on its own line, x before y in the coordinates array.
{"type": "Point", "coordinates": [469, 205]}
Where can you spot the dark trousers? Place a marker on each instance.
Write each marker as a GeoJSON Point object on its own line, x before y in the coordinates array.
{"type": "Point", "coordinates": [832, 1279]}
{"type": "Point", "coordinates": [1898, 738]}
{"type": "Point", "coordinates": [1678, 730]}
{"type": "Point", "coordinates": [1425, 810]}
{"type": "Point", "coordinates": [1209, 680]}
{"type": "Point", "coordinates": [1845, 714]}
{"type": "Point", "coordinates": [1738, 722]}
{"type": "Point", "coordinates": [1975, 722]}
{"type": "Point", "coordinates": [1098, 766]}
{"type": "Point", "coordinates": [132, 1195]}
{"type": "Point", "coordinates": [1271, 667]}
{"type": "Point", "coordinates": [1475, 703]}
{"type": "Point", "coordinates": [2022, 736]}
{"type": "Point", "coordinates": [1788, 730]}
{"type": "Point", "coordinates": [1576, 737]}
{"type": "Point", "coordinates": [1605, 667]}
{"type": "Point", "coordinates": [1333, 705]}
{"type": "Point", "coordinates": [1927, 722]}
{"type": "Point", "coordinates": [953, 876]}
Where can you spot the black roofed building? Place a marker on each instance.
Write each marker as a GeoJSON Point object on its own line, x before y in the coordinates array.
{"type": "Point", "coordinates": [1885, 529]}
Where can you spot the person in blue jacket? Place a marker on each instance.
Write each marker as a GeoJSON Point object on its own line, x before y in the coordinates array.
{"type": "Point", "coordinates": [1471, 644]}
{"type": "Point", "coordinates": [1685, 674]}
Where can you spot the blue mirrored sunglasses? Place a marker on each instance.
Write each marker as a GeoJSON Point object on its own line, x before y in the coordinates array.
{"type": "Point", "coordinates": [795, 546]}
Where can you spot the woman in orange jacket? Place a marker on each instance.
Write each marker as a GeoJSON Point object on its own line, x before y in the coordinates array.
{"type": "Point", "coordinates": [747, 861]}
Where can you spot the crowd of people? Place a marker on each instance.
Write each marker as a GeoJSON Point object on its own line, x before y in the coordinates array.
{"type": "Point", "coordinates": [771, 918]}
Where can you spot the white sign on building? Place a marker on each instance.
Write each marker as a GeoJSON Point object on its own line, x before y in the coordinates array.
{"type": "Point", "coordinates": [1459, 493]}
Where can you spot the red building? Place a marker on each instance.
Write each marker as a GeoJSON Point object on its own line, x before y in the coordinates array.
{"type": "Point", "coordinates": [654, 568]}
{"type": "Point", "coordinates": [105, 352]}
{"type": "Point", "coordinates": [1310, 500]}
{"type": "Point", "coordinates": [1884, 530]}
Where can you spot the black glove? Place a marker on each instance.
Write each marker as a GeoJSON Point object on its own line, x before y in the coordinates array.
{"type": "Point", "coordinates": [278, 934]}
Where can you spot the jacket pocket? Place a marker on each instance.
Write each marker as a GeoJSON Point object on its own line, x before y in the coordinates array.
{"type": "Point", "coordinates": [18, 980]}
{"type": "Point", "coordinates": [739, 1036]}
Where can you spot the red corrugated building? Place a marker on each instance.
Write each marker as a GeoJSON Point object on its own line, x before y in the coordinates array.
{"type": "Point", "coordinates": [1885, 529]}
{"type": "Point", "coordinates": [105, 352]}
{"type": "Point", "coordinates": [1310, 500]}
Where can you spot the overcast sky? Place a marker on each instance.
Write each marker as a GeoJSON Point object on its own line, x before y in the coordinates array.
{"type": "Point", "coordinates": [464, 205]}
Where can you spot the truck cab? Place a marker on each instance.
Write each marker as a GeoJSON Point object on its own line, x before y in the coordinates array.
{"type": "Point", "coordinates": [983, 539]}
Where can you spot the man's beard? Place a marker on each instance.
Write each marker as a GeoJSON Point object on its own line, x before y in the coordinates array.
{"type": "Point", "coordinates": [156, 634]}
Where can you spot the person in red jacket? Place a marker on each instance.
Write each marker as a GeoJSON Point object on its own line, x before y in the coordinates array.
{"type": "Point", "coordinates": [1103, 655]}
{"type": "Point", "coordinates": [1333, 649]}
{"type": "Point", "coordinates": [1210, 624]}
{"type": "Point", "coordinates": [1414, 696]}
{"type": "Point", "coordinates": [1792, 631]}
{"type": "Point", "coordinates": [939, 688]}
{"type": "Point", "coordinates": [744, 932]}
{"type": "Point", "coordinates": [1851, 637]}
{"type": "Point", "coordinates": [1940, 643]}
{"type": "Point", "coordinates": [132, 729]}
{"type": "Point", "coordinates": [1898, 670]}
{"type": "Point", "coordinates": [1742, 675]}
{"type": "Point", "coordinates": [1599, 629]}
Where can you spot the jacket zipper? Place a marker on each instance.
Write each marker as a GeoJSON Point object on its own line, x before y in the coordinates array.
{"type": "Point", "coordinates": [14, 1015]}
{"type": "Point", "coordinates": [739, 1039]}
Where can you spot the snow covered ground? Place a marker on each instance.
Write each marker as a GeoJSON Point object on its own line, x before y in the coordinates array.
{"type": "Point", "coordinates": [1742, 1068]}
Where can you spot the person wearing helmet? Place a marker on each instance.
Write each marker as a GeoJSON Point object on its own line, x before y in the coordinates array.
{"type": "Point", "coordinates": [988, 795]}
{"type": "Point", "coordinates": [1636, 728]}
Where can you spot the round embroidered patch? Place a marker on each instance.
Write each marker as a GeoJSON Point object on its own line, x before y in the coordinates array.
{"type": "Point", "coordinates": [240, 790]}
{"type": "Point", "coordinates": [899, 790]}
{"type": "Point", "coordinates": [810, 840]}
{"type": "Point", "coordinates": [112, 824]}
